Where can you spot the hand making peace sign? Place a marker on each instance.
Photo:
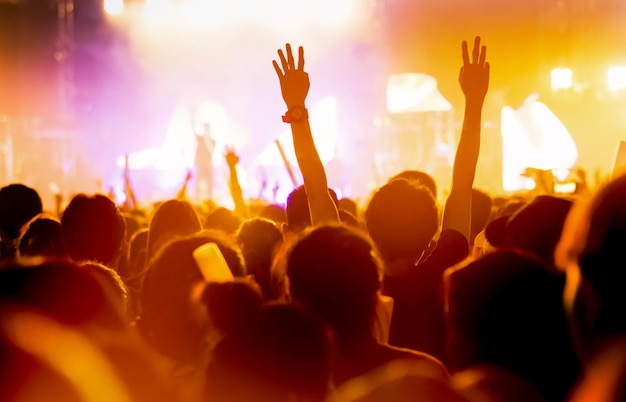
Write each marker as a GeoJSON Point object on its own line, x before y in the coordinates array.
{"type": "Point", "coordinates": [474, 75]}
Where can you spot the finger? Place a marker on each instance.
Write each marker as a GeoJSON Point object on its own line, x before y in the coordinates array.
{"type": "Point", "coordinates": [283, 61]}
{"type": "Point", "coordinates": [279, 72]}
{"type": "Point", "coordinates": [465, 53]}
{"type": "Point", "coordinates": [301, 58]}
{"type": "Point", "coordinates": [292, 64]}
{"type": "Point", "coordinates": [483, 55]}
{"type": "Point", "coordinates": [461, 74]}
{"type": "Point", "coordinates": [475, 50]}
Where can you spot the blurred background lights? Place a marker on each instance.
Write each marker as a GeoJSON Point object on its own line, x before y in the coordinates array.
{"type": "Point", "coordinates": [561, 78]}
{"type": "Point", "coordinates": [616, 78]}
{"type": "Point", "coordinates": [114, 7]}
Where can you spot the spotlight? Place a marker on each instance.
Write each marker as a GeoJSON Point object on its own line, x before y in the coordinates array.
{"type": "Point", "coordinates": [561, 78]}
{"type": "Point", "coordinates": [616, 78]}
{"type": "Point", "coordinates": [114, 7]}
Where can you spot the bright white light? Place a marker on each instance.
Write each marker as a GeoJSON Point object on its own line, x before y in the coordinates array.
{"type": "Point", "coordinates": [411, 93]}
{"type": "Point", "coordinates": [533, 137]}
{"type": "Point", "coordinates": [323, 118]}
{"type": "Point", "coordinates": [561, 174]}
{"type": "Point", "coordinates": [156, 7]}
{"type": "Point", "coordinates": [114, 7]}
{"type": "Point", "coordinates": [565, 188]}
{"type": "Point", "coordinates": [562, 78]}
{"type": "Point", "coordinates": [279, 15]}
{"type": "Point", "coordinates": [616, 78]}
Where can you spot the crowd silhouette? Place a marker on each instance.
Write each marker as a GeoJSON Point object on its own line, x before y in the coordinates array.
{"type": "Point", "coordinates": [484, 299]}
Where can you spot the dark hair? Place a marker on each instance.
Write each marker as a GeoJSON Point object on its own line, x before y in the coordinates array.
{"type": "Point", "coordinates": [420, 178]}
{"type": "Point", "coordinates": [43, 237]}
{"type": "Point", "coordinates": [93, 228]}
{"type": "Point", "coordinates": [349, 205]}
{"type": "Point", "coordinates": [172, 218]}
{"type": "Point", "coordinates": [535, 227]}
{"type": "Point", "coordinates": [402, 219]}
{"type": "Point", "coordinates": [284, 352]}
{"type": "Point", "coordinates": [18, 205]}
{"type": "Point", "coordinates": [297, 208]}
{"type": "Point", "coordinates": [334, 271]}
{"type": "Point", "coordinates": [113, 286]}
{"type": "Point", "coordinates": [223, 219]}
{"type": "Point", "coordinates": [62, 290]}
{"type": "Point", "coordinates": [506, 309]}
{"type": "Point", "coordinates": [592, 250]}
{"type": "Point", "coordinates": [273, 212]}
{"type": "Point", "coordinates": [481, 211]}
{"type": "Point", "coordinates": [259, 239]}
{"type": "Point", "coordinates": [232, 306]}
{"type": "Point", "coordinates": [172, 274]}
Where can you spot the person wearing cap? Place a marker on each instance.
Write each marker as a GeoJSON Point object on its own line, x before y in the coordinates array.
{"type": "Point", "coordinates": [536, 227]}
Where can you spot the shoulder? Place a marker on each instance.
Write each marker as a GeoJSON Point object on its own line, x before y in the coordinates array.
{"type": "Point", "coordinates": [451, 237]}
{"type": "Point", "coordinates": [452, 248]}
{"type": "Point", "coordinates": [429, 363]}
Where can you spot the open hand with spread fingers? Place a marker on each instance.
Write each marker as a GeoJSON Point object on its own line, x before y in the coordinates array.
{"type": "Point", "coordinates": [294, 81]}
{"type": "Point", "coordinates": [474, 75]}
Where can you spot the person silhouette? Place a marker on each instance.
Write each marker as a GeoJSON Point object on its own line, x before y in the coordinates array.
{"type": "Point", "coordinates": [204, 162]}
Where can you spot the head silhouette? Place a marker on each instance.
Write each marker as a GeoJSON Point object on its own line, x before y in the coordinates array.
{"type": "Point", "coordinates": [93, 228]}
{"type": "Point", "coordinates": [506, 309]}
{"type": "Point", "coordinates": [167, 319]}
{"type": "Point", "coordinates": [592, 252]}
{"type": "Point", "coordinates": [259, 239]}
{"type": "Point", "coordinates": [18, 205]}
{"type": "Point", "coordinates": [173, 218]}
{"type": "Point", "coordinates": [420, 178]}
{"type": "Point", "coordinates": [297, 209]}
{"type": "Point", "coordinates": [223, 219]}
{"type": "Point", "coordinates": [43, 237]}
{"type": "Point", "coordinates": [282, 355]}
{"type": "Point", "coordinates": [481, 211]}
{"type": "Point", "coordinates": [334, 272]}
{"type": "Point", "coordinates": [402, 219]}
{"type": "Point", "coordinates": [62, 290]}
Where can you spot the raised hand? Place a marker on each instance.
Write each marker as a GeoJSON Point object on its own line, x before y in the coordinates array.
{"type": "Point", "coordinates": [474, 75]}
{"type": "Point", "coordinates": [294, 85]}
{"type": "Point", "coordinates": [231, 157]}
{"type": "Point", "coordinates": [294, 81]}
{"type": "Point", "coordinates": [474, 80]}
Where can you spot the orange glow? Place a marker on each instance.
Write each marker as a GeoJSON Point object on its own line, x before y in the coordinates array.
{"type": "Point", "coordinates": [69, 353]}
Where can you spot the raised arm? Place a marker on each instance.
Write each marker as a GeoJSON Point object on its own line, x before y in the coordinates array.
{"type": "Point", "coordinates": [294, 85]}
{"type": "Point", "coordinates": [131, 200]}
{"type": "Point", "coordinates": [182, 193]}
{"type": "Point", "coordinates": [474, 81]}
{"type": "Point", "coordinates": [235, 188]}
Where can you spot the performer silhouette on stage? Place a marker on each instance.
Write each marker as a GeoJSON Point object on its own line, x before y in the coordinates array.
{"type": "Point", "coordinates": [204, 162]}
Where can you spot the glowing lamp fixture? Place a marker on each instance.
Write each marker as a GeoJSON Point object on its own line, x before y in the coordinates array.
{"type": "Point", "coordinates": [616, 78]}
{"type": "Point", "coordinates": [561, 78]}
{"type": "Point", "coordinates": [114, 7]}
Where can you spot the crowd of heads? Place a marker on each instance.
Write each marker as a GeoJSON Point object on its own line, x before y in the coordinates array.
{"type": "Point", "coordinates": [106, 302]}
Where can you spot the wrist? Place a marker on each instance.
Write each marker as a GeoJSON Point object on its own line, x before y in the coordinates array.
{"type": "Point", "coordinates": [296, 114]}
